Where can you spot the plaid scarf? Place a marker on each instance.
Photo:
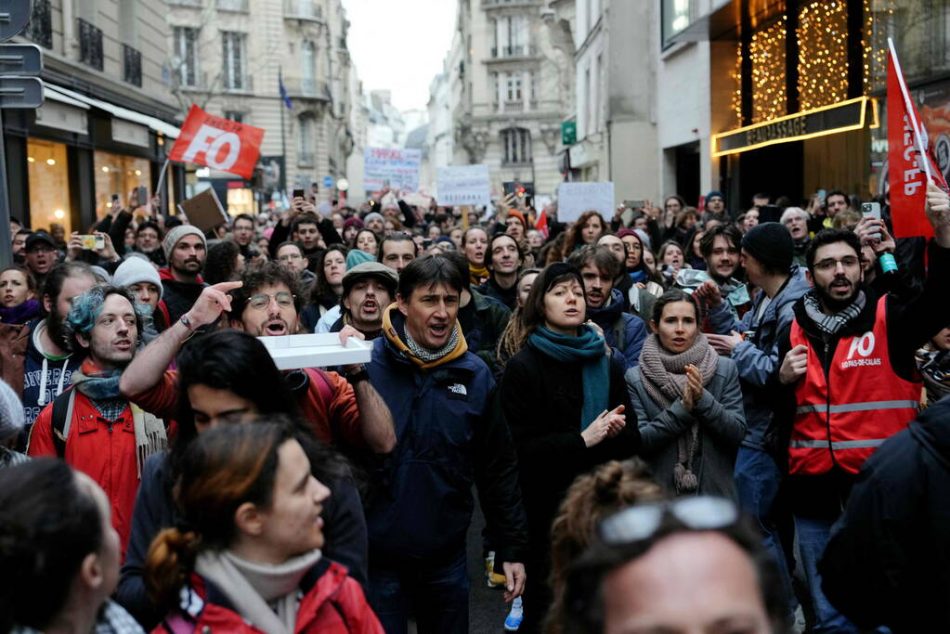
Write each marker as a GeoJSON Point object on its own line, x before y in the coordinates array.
{"type": "Point", "coordinates": [832, 324]}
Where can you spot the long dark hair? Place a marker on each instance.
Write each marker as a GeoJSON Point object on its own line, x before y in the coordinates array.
{"type": "Point", "coordinates": [321, 293]}
{"type": "Point", "coordinates": [575, 237]}
{"type": "Point", "coordinates": [49, 523]}
{"type": "Point", "coordinates": [228, 360]}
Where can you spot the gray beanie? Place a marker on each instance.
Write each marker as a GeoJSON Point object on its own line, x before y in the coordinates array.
{"type": "Point", "coordinates": [12, 418]}
{"type": "Point", "coordinates": [375, 215]}
{"type": "Point", "coordinates": [177, 233]}
{"type": "Point", "coordinates": [135, 270]}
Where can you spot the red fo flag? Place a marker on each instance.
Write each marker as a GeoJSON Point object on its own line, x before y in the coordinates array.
{"type": "Point", "coordinates": [910, 163]}
{"type": "Point", "coordinates": [218, 143]}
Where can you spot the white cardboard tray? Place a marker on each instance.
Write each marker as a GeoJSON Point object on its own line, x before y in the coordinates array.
{"type": "Point", "coordinates": [291, 352]}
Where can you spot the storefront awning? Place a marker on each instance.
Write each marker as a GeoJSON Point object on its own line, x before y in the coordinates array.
{"type": "Point", "coordinates": [53, 95]}
{"type": "Point", "coordinates": [157, 125]}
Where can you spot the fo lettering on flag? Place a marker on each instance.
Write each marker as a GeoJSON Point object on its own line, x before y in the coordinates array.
{"type": "Point", "coordinates": [218, 143]}
{"type": "Point", "coordinates": [910, 162]}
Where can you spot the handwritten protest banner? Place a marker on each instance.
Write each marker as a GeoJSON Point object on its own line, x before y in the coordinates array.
{"type": "Point", "coordinates": [573, 199]}
{"type": "Point", "coordinates": [464, 185]}
{"type": "Point", "coordinates": [397, 168]}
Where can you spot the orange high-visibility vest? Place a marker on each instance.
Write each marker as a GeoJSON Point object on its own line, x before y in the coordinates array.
{"type": "Point", "coordinates": [841, 418]}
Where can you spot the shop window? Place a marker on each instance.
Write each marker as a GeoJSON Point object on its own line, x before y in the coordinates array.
{"type": "Point", "coordinates": [49, 185]}
{"type": "Point", "coordinates": [119, 174]}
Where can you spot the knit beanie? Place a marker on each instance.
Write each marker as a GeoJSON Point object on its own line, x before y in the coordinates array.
{"type": "Point", "coordinates": [715, 194]}
{"type": "Point", "coordinates": [375, 215]}
{"type": "Point", "coordinates": [12, 418]}
{"type": "Point", "coordinates": [177, 233]}
{"type": "Point", "coordinates": [514, 213]}
{"type": "Point", "coordinates": [355, 256]}
{"type": "Point", "coordinates": [352, 222]}
{"type": "Point", "coordinates": [135, 270]}
{"type": "Point", "coordinates": [771, 244]}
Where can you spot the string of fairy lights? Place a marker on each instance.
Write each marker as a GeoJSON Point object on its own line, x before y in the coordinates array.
{"type": "Point", "coordinates": [822, 35]}
{"type": "Point", "coordinates": [767, 51]}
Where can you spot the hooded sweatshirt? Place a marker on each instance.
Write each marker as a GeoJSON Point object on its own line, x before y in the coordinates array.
{"type": "Point", "coordinates": [45, 376]}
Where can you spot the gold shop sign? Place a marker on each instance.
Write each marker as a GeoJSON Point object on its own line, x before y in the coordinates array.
{"type": "Point", "coordinates": [832, 119]}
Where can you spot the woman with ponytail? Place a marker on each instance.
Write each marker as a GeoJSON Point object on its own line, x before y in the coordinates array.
{"type": "Point", "coordinates": [592, 497]}
{"type": "Point", "coordinates": [565, 400]}
{"type": "Point", "coordinates": [58, 552]}
{"type": "Point", "coordinates": [688, 402]}
{"type": "Point", "coordinates": [247, 558]}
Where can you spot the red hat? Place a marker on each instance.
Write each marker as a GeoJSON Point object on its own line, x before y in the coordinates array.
{"type": "Point", "coordinates": [514, 213]}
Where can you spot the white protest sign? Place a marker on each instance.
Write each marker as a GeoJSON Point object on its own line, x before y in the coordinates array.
{"type": "Point", "coordinates": [395, 167]}
{"type": "Point", "coordinates": [573, 199]}
{"type": "Point", "coordinates": [464, 185]}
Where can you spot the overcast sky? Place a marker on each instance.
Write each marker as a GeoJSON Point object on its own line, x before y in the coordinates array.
{"type": "Point", "coordinates": [399, 45]}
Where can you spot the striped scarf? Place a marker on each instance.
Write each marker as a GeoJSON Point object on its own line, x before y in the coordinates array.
{"type": "Point", "coordinates": [832, 324]}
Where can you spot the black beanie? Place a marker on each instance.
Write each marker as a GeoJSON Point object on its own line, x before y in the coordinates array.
{"type": "Point", "coordinates": [771, 244]}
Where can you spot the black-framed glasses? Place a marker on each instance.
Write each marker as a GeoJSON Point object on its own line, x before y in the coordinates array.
{"type": "Point", "coordinates": [641, 522]}
{"type": "Point", "coordinates": [848, 261]}
{"type": "Point", "coordinates": [260, 301]}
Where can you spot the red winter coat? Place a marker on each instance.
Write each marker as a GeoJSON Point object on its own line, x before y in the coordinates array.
{"type": "Point", "coordinates": [333, 603]}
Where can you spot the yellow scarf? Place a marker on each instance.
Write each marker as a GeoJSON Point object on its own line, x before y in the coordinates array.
{"type": "Point", "coordinates": [477, 275]}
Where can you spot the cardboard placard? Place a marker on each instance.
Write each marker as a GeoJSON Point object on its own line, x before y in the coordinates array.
{"type": "Point", "coordinates": [204, 210]}
{"type": "Point", "coordinates": [573, 199]}
{"type": "Point", "coordinates": [464, 185]}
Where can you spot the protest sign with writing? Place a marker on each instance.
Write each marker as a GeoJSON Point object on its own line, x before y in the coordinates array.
{"type": "Point", "coordinates": [464, 185]}
{"type": "Point", "coordinates": [573, 199]}
{"type": "Point", "coordinates": [397, 168]}
{"type": "Point", "coordinates": [218, 143]}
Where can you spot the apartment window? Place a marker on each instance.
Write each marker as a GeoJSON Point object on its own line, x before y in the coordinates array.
{"type": "Point", "coordinates": [511, 36]}
{"type": "Point", "coordinates": [305, 141]}
{"type": "Point", "coordinates": [513, 88]}
{"type": "Point", "coordinates": [131, 65]}
{"type": "Point", "coordinates": [234, 115]}
{"type": "Point", "coordinates": [40, 28]}
{"type": "Point", "coordinates": [186, 54]}
{"type": "Point", "coordinates": [234, 59]}
{"type": "Point", "coordinates": [308, 64]}
{"type": "Point", "coordinates": [90, 44]}
{"type": "Point", "coordinates": [517, 144]}
{"type": "Point", "coordinates": [676, 15]}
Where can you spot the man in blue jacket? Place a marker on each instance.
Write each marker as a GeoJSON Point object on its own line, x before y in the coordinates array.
{"type": "Point", "coordinates": [767, 252]}
{"type": "Point", "coordinates": [449, 437]}
{"type": "Point", "coordinates": [605, 306]}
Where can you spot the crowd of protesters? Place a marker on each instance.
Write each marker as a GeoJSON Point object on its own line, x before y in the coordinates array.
{"type": "Point", "coordinates": [673, 419]}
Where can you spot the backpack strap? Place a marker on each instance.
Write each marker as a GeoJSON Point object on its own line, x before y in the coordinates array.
{"type": "Point", "coordinates": [62, 419]}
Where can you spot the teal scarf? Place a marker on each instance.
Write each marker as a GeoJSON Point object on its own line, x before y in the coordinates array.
{"type": "Point", "coordinates": [588, 349]}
